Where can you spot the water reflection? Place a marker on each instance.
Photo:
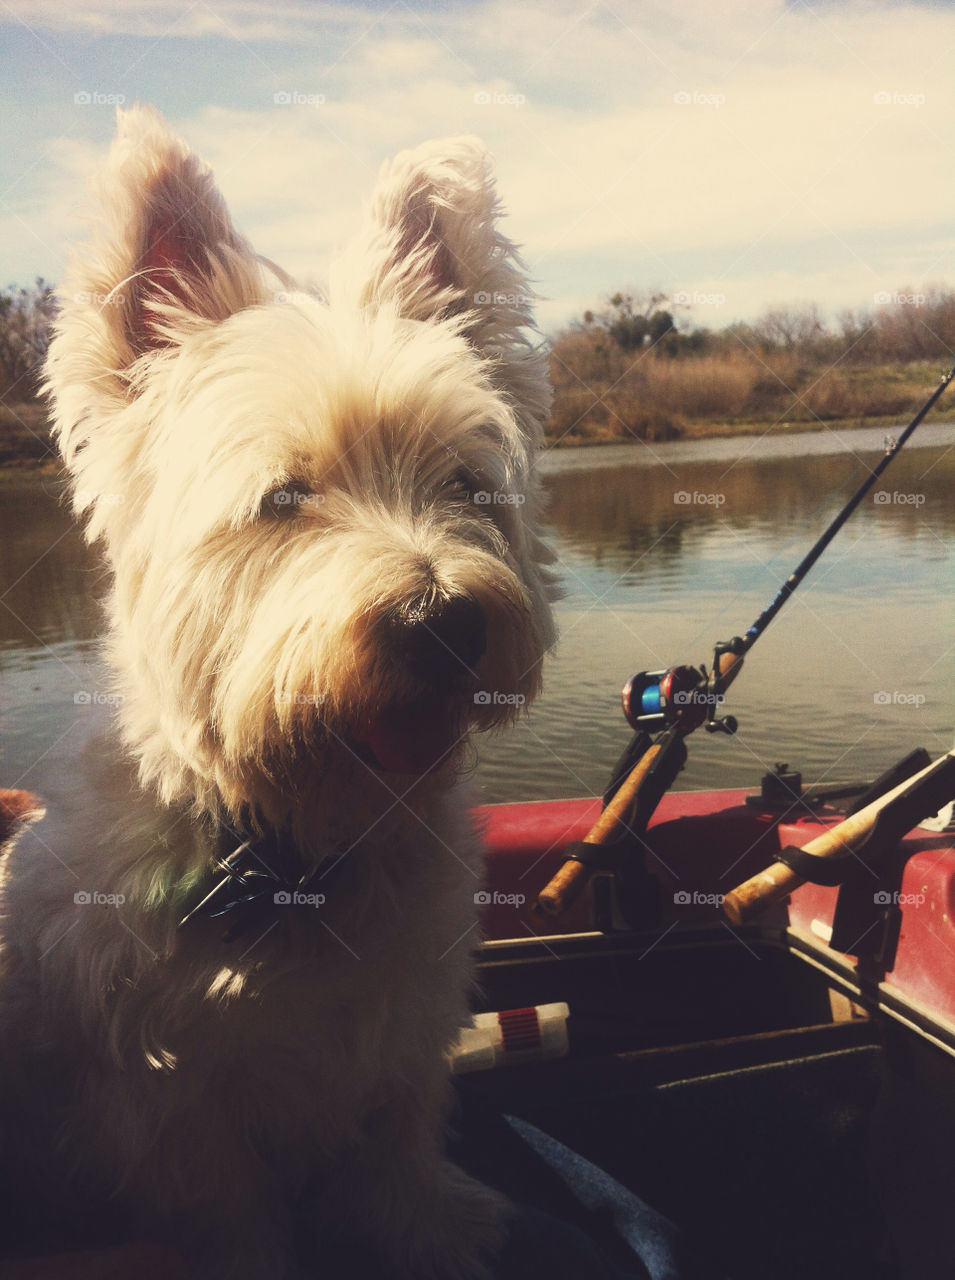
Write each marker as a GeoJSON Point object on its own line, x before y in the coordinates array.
{"type": "Point", "coordinates": [617, 516]}
{"type": "Point", "coordinates": [658, 562]}
{"type": "Point", "coordinates": [48, 580]}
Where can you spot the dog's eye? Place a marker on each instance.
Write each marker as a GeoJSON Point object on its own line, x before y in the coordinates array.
{"type": "Point", "coordinates": [459, 487]}
{"type": "Point", "coordinates": [290, 499]}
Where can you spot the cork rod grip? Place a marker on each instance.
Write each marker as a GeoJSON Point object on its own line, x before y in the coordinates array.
{"type": "Point", "coordinates": [563, 890]}
{"type": "Point", "coordinates": [778, 881]}
{"type": "Point", "coordinates": [566, 886]}
{"type": "Point", "coordinates": [730, 665]}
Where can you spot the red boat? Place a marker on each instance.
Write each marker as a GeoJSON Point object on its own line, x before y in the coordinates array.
{"type": "Point", "coordinates": [760, 1028]}
{"type": "Point", "coordinates": [790, 1102]}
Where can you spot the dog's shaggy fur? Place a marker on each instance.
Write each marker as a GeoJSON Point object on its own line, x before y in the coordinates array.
{"type": "Point", "coordinates": [318, 514]}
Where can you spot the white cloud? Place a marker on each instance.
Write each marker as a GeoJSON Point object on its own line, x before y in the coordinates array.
{"type": "Point", "coordinates": [251, 20]}
{"type": "Point", "coordinates": [746, 149]}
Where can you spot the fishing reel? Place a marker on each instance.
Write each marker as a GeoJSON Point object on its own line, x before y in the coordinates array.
{"type": "Point", "coordinates": [684, 696]}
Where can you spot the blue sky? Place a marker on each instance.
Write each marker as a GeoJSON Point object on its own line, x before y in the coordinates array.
{"type": "Point", "coordinates": [735, 155]}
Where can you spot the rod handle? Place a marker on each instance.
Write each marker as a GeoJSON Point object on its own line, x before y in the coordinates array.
{"type": "Point", "coordinates": [729, 666]}
{"type": "Point", "coordinates": [566, 886]}
{"type": "Point", "coordinates": [778, 881]}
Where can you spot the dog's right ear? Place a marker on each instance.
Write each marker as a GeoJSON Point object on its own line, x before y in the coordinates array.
{"type": "Point", "coordinates": [430, 248]}
{"type": "Point", "coordinates": [164, 257]}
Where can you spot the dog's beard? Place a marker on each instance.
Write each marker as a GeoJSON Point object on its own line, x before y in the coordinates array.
{"type": "Point", "coordinates": [375, 642]}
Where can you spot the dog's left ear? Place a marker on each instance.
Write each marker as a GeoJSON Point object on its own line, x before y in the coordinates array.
{"type": "Point", "coordinates": [430, 248]}
{"type": "Point", "coordinates": [164, 257]}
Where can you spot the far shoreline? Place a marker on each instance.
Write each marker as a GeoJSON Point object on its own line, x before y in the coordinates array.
{"type": "Point", "coordinates": [731, 430]}
{"type": "Point", "coordinates": [22, 454]}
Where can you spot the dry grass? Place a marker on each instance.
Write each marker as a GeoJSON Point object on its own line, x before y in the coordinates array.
{"type": "Point", "coordinates": [24, 433]}
{"type": "Point", "coordinates": [604, 393]}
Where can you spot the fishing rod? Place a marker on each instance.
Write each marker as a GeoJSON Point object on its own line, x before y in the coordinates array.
{"type": "Point", "coordinates": [797, 575]}
{"type": "Point", "coordinates": [675, 702]}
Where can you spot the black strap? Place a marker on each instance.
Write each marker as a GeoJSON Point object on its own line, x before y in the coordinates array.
{"type": "Point", "coordinates": [809, 866]}
{"type": "Point", "coordinates": [263, 872]}
{"type": "Point", "coordinates": [920, 799]}
{"type": "Point", "coordinates": [599, 857]}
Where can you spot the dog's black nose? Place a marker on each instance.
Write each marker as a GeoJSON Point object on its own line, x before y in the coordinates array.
{"type": "Point", "coordinates": [440, 639]}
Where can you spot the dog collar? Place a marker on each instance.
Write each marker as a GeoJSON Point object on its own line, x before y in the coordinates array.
{"type": "Point", "coordinates": [258, 875]}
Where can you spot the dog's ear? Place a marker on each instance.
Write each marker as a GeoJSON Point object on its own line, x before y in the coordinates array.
{"type": "Point", "coordinates": [163, 257]}
{"type": "Point", "coordinates": [428, 238]}
{"type": "Point", "coordinates": [430, 247]}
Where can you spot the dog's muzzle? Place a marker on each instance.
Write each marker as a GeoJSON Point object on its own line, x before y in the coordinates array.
{"type": "Point", "coordinates": [437, 643]}
{"type": "Point", "coordinates": [440, 642]}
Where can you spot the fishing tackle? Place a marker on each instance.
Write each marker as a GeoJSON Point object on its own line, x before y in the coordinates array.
{"type": "Point", "coordinates": [674, 702]}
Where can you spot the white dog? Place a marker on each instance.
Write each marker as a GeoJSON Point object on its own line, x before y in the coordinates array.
{"type": "Point", "coordinates": [228, 989]}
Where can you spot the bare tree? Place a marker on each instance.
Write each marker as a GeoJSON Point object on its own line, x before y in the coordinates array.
{"type": "Point", "coordinates": [25, 319]}
{"type": "Point", "coordinates": [794, 326]}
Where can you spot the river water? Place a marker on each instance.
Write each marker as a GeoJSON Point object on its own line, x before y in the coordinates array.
{"type": "Point", "coordinates": [662, 551]}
